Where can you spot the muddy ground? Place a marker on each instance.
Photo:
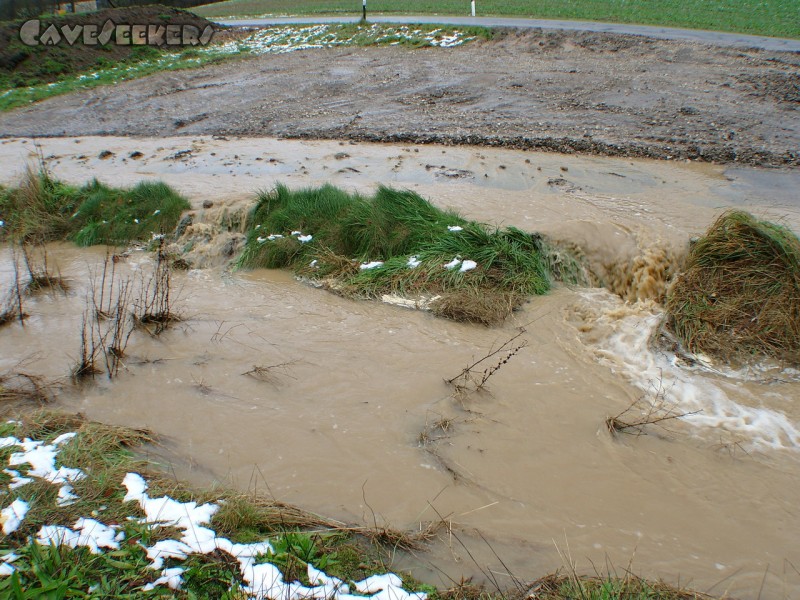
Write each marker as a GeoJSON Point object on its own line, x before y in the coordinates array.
{"type": "Point", "coordinates": [562, 91]}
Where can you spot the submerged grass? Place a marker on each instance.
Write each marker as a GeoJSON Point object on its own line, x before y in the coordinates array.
{"type": "Point", "coordinates": [739, 297]}
{"type": "Point", "coordinates": [43, 209]}
{"type": "Point", "coordinates": [396, 242]}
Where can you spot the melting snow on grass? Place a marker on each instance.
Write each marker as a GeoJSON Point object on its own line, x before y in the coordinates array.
{"type": "Point", "coordinates": [468, 265]}
{"type": "Point", "coordinates": [288, 39]}
{"type": "Point", "coordinates": [11, 516]}
{"type": "Point", "coordinates": [371, 265]}
{"type": "Point", "coordinates": [262, 580]}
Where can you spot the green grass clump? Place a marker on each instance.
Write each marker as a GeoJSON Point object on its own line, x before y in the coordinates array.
{"type": "Point", "coordinates": [43, 209]}
{"type": "Point", "coordinates": [739, 297]}
{"type": "Point", "coordinates": [567, 586]}
{"type": "Point", "coordinates": [395, 227]}
{"type": "Point", "coordinates": [760, 17]}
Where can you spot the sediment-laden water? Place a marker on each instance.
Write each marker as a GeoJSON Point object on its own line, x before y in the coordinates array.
{"type": "Point", "coordinates": [355, 420]}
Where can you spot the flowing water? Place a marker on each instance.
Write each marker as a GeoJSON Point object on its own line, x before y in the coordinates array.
{"type": "Point", "coordinates": [355, 421]}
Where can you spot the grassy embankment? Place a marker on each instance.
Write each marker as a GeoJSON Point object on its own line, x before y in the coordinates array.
{"type": "Point", "coordinates": [105, 454]}
{"type": "Point", "coordinates": [30, 74]}
{"type": "Point", "coordinates": [116, 540]}
{"type": "Point", "coordinates": [396, 242]}
{"type": "Point", "coordinates": [738, 298]}
{"type": "Point", "coordinates": [777, 18]}
{"type": "Point", "coordinates": [43, 209]}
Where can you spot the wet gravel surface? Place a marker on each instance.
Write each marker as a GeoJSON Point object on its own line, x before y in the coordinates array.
{"type": "Point", "coordinates": [564, 91]}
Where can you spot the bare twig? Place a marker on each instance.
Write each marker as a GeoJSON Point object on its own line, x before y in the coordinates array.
{"type": "Point", "coordinates": [655, 409]}
{"type": "Point", "coordinates": [474, 377]}
{"type": "Point", "coordinates": [267, 372]}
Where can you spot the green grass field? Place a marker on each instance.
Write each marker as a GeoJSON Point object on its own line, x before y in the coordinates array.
{"type": "Point", "coordinates": [777, 18]}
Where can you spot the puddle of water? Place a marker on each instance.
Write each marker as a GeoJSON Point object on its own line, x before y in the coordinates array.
{"type": "Point", "coordinates": [337, 428]}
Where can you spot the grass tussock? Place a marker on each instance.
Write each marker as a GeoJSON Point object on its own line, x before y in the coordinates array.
{"type": "Point", "coordinates": [42, 276]}
{"type": "Point", "coordinates": [561, 586]}
{"type": "Point", "coordinates": [413, 249]}
{"type": "Point", "coordinates": [154, 308]}
{"type": "Point", "coordinates": [739, 297]}
{"type": "Point", "coordinates": [43, 209]}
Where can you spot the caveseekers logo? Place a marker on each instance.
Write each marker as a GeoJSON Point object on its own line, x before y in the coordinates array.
{"type": "Point", "coordinates": [37, 33]}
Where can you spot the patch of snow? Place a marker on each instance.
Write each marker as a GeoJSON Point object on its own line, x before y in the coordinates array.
{"type": "Point", "coordinates": [468, 265]}
{"type": "Point", "coordinates": [11, 517]}
{"type": "Point", "coordinates": [88, 532]}
{"type": "Point", "coordinates": [371, 265]}
{"type": "Point", "coordinates": [66, 495]}
{"type": "Point", "coordinates": [304, 238]}
{"type": "Point", "coordinates": [172, 578]}
{"type": "Point", "coordinates": [452, 264]}
{"type": "Point", "coordinates": [455, 228]}
{"type": "Point", "coordinates": [413, 262]}
{"type": "Point", "coordinates": [160, 551]}
{"type": "Point", "coordinates": [42, 457]}
{"type": "Point", "coordinates": [263, 581]}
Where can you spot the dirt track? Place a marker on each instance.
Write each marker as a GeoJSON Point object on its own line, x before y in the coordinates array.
{"type": "Point", "coordinates": [563, 91]}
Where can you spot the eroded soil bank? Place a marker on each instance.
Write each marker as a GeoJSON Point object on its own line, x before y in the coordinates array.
{"type": "Point", "coordinates": [561, 91]}
{"type": "Point", "coordinates": [359, 425]}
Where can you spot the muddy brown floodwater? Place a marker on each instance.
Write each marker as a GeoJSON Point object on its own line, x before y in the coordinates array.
{"type": "Point", "coordinates": [528, 470]}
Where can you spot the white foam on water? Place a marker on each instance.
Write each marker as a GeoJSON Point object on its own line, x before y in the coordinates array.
{"type": "Point", "coordinates": [627, 350]}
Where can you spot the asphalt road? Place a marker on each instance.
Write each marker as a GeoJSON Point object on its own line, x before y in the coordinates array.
{"type": "Point", "coordinates": [666, 33]}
